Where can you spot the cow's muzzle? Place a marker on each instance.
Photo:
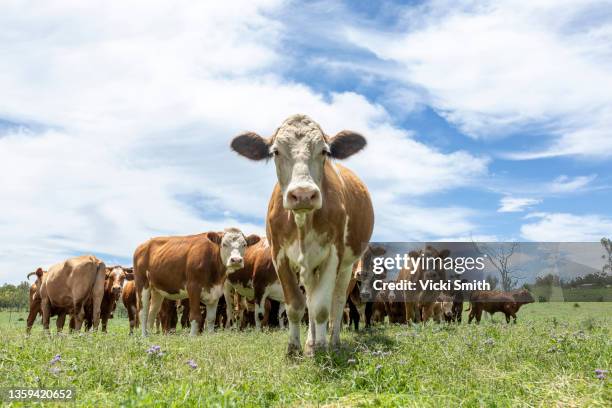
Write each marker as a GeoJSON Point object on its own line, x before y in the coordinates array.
{"type": "Point", "coordinates": [235, 262]}
{"type": "Point", "coordinates": [304, 198]}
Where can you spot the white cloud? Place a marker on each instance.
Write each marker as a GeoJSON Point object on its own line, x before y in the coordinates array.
{"type": "Point", "coordinates": [516, 204]}
{"type": "Point", "coordinates": [134, 107]}
{"type": "Point", "coordinates": [566, 184]}
{"type": "Point", "coordinates": [495, 68]}
{"type": "Point", "coordinates": [563, 227]}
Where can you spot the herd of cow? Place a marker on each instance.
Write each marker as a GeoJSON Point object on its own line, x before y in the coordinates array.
{"type": "Point", "coordinates": [311, 267]}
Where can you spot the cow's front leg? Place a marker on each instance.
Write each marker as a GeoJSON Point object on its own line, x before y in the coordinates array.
{"type": "Point", "coordinates": [281, 319]}
{"type": "Point", "coordinates": [211, 314]}
{"type": "Point", "coordinates": [294, 299]}
{"type": "Point", "coordinates": [194, 292]}
{"type": "Point", "coordinates": [339, 299]}
{"type": "Point", "coordinates": [260, 307]}
{"type": "Point", "coordinates": [322, 295]}
{"type": "Point", "coordinates": [228, 294]}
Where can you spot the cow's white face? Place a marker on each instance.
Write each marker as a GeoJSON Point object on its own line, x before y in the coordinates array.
{"type": "Point", "coordinates": [232, 244]}
{"type": "Point", "coordinates": [299, 148]}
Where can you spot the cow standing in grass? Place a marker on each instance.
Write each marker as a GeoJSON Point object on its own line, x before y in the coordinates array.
{"type": "Point", "coordinates": [319, 221]}
{"type": "Point", "coordinates": [492, 302]}
{"type": "Point", "coordinates": [69, 285]}
{"type": "Point", "coordinates": [35, 304]}
{"type": "Point", "coordinates": [193, 267]}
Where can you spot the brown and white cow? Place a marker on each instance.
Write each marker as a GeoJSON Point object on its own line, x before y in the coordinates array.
{"type": "Point", "coordinates": [114, 280]}
{"type": "Point", "coordinates": [319, 221]}
{"type": "Point", "coordinates": [128, 296]}
{"type": "Point", "coordinates": [35, 304]}
{"type": "Point", "coordinates": [69, 285]}
{"type": "Point", "coordinates": [191, 267]}
{"type": "Point", "coordinates": [257, 282]}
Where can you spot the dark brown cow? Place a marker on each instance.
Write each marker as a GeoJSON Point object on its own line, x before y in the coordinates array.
{"type": "Point", "coordinates": [113, 284]}
{"type": "Point", "coordinates": [167, 316]}
{"type": "Point", "coordinates": [257, 282]}
{"type": "Point", "coordinates": [507, 303]}
{"type": "Point", "coordinates": [35, 304]}
{"type": "Point", "coordinates": [70, 284]}
{"type": "Point", "coordinates": [319, 220]}
{"type": "Point", "coordinates": [360, 290]}
{"type": "Point", "coordinates": [191, 267]}
{"type": "Point", "coordinates": [128, 296]}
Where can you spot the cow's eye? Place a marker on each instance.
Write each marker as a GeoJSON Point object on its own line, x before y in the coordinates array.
{"type": "Point", "coordinates": [326, 152]}
{"type": "Point", "coordinates": [275, 152]}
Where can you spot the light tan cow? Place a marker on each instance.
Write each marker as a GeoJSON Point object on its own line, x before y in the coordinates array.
{"type": "Point", "coordinates": [193, 267]}
{"type": "Point", "coordinates": [69, 285]}
{"type": "Point", "coordinates": [319, 221]}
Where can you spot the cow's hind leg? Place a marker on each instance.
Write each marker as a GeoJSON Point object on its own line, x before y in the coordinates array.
{"type": "Point", "coordinates": [156, 303]}
{"type": "Point", "coordinates": [61, 318]}
{"type": "Point", "coordinates": [211, 315]}
{"type": "Point", "coordinates": [144, 301]}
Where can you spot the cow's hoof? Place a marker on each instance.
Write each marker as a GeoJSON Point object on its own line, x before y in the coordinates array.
{"type": "Point", "coordinates": [309, 349]}
{"type": "Point", "coordinates": [294, 350]}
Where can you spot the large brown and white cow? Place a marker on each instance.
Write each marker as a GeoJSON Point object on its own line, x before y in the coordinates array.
{"type": "Point", "coordinates": [257, 282]}
{"type": "Point", "coordinates": [191, 267]}
{"type": "Point", "coordinates": [319, 221]}
{"type": "Point", "coordinates": [69, 285]}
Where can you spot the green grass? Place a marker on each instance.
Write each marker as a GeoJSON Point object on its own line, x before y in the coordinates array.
{"type": "Point", "coordinates": [547, 359]}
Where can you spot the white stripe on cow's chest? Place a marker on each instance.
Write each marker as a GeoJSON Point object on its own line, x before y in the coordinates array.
{"type": "Point", "coordinates": [211, 295]}
{"type": "Point", "coordinates": [316, 250]}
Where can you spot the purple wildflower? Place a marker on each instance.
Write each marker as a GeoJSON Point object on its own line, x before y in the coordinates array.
{"type": "Point", "coordinates": [55, 359]}
{"type": "Point", "coordinates": [155, 350]}
{"type": "Point", "coordinates": [601, 374]}
{"type": "Point", "coordinates": [192, 364]}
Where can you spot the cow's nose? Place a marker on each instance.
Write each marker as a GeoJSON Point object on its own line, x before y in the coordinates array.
{"type": "Point", "coordinates": [303, 197]}
{"type": "Point", "coordinates": [235, 260]}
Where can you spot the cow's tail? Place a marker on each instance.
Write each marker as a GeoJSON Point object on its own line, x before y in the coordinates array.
{"type": "Point", "coordinates": [39, 273]}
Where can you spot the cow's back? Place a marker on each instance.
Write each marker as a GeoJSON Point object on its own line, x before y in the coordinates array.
{"type": "Point", "coordinates": [72, 280]}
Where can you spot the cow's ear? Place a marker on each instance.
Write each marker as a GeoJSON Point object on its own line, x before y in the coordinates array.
{"type": "Point", "coordinates": [129, 276]}
{"type": "Point", "coordinates": [346, 144]}
{"type": "Point", "coordinates": [215, 237]}
{"type": "Point", "coordinates": [251, 145]}
{"type": "Point", "coordinates": [252, 239]}
{"type": "Point", "coordinates": [444, 254]}
{"type": "Point", "coordinates": [108, 273]}
{"type": "Point", "coordinates": [39, 272]}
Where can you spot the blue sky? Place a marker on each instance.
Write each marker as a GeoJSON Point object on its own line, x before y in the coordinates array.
{"type": "Point", "coordinates": [484, 120]}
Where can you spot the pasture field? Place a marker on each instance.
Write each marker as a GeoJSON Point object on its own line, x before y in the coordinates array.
{"type": "Point", "coordinates": [547, 359]}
